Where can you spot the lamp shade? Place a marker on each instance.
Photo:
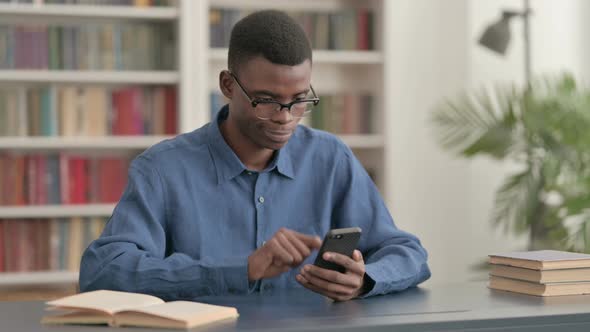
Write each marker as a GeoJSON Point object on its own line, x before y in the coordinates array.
{"type": "Point", "coordinates": [497, 36]}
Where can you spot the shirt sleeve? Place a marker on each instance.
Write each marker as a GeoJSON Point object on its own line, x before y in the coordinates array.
{"type": "Point", "coordinates": [394, 259]}
{"type": "Point", "coordinates": [132, 255]}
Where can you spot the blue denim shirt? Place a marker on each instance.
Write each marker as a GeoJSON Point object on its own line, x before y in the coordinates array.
{"type": "Point", "coordinates": [192, 213]}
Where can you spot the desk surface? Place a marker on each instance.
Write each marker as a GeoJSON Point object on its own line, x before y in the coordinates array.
{"type": "Point", "coordinates": [465, 307]}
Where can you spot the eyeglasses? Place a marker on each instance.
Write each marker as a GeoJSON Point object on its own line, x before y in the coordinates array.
{"type": "Point", "coordinates": [266, 108]}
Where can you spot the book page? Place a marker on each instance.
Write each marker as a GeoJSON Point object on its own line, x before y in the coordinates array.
{"type": "Point", "coordinates": [106, 301]}
{"type": "Point", "coordinates": [544, 255]}
{"type": "Point", "coordinates": [184, 311]}
{"type": "Point", "coordinates": [93, 318]}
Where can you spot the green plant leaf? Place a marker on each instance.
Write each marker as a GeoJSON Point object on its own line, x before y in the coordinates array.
{"type": "Point", "coordinates": [473, 125]}
{"type": "Point", "coordinates": [516, 201]}
{"type": "Point", "coordinates": [546, 130]}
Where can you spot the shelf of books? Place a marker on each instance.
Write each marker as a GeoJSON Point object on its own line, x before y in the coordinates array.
{"type": "Point", "coordinates": [81, 142]}
{"type": "Point", "coordinates": [45, 250]}
{"type": "Point", "coordinates": [84, 87]}
{"type": "Point", "coordinates": [90, 76]}
{"type": "Point", "coordinates": [57, 211]}
{"type": "Point", "coordinates": [329, 6]}
{"type": "Point", "coordinates": [321, 56]}
{"type": "Point", "coordinates": [14, 279]}
{"type": "Point", "coordinates": [24, 10]}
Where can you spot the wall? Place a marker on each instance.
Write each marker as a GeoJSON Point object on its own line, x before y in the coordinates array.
{"type": "Point", "coordinates": [429, 190]}
{"type": "Point", "coordinates": [444, 200]}
{"type": "Point", "coordinates": [556, 45]}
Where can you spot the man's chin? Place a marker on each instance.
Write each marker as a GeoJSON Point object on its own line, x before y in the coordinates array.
{"type": "Point", "coordinates": [275, 145]}
{"type": "Point", "coordinates": [276, 142]}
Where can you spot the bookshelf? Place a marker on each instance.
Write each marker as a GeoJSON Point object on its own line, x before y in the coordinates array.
{"type": "Point", "coordinates": [35, 220]}
{"type": "Point", "coordinates": [89, 76]}
{"type": "Point", "coordinates": [195, 77]}
{"type": "Point", "coordinates": [33, 11]}
{"type": "Point", "coordinates": [320, 57]}
{"type": "Point", "coordinates": [56, 211]}
{"type": "Point", "coordinates": [14, 279]}
{"type": "Point", "coordinates": [80, 143]}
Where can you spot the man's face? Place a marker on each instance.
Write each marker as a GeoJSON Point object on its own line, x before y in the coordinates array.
{"type": "Point", "coordinates": [262, 79]}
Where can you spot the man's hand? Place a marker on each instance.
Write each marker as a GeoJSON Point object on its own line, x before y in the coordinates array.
{"type": "Point", "coordinates": [333, 284]}
{"type": "Point", "coordinates": [285, 250]}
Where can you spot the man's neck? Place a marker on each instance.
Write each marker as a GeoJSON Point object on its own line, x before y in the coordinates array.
{"type": "Point", "coordinates": [252, 156]}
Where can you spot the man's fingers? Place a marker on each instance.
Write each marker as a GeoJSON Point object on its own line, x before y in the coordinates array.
{"type": "Point", "coordinates": [279, 254]}
{"type": "Point", "coordinates": [301, 248]}
{"type": "Point", "coordinates": [310, 241]}
{"type": "Point", "coordinates": [357, 256]}
{"type": "Point", "coordinates": [305, 283]}
{"type": "Point", "coordinates": [286, 242]}
{"type": "Point", "coordinates": [328, 285]}
{"type": "Point", "coordinates": [349, 280]}
{"type": "Point", "coordinates": [348, 263]}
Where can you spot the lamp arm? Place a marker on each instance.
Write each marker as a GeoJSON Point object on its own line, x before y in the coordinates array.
{"type": "Point", "coordinates": [527, 43]}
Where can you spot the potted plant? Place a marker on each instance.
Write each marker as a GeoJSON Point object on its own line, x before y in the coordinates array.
{"type": "Point", "coordinates": [544, 129]}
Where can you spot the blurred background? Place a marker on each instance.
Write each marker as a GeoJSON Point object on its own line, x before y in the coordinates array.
{"type": "Point", "coordinates": [440, 121]}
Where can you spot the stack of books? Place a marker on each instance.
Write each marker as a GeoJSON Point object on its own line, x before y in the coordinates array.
{"type": "Point", "coordinates": [541, 273]}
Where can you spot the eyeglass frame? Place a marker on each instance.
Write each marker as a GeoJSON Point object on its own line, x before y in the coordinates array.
{"type": "Point", "coordinates": [256, 101]}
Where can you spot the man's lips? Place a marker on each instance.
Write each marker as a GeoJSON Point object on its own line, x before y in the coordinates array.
{"type": "Point", "coordinates": [278, 135]}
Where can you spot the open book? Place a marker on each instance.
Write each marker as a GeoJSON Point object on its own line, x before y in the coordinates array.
{"type": "Point", "coordinates": [132, 309]}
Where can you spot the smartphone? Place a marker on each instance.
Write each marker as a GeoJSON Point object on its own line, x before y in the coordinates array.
{"type": "Point", "coordinates": [342, 241]}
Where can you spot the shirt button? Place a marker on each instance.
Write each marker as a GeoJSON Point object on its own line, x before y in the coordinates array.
{"type": "Point", "coordinates": [263, 243]}
{"type": "Point", "coordinates": [261, 199]}
{"type": "Point", "coordinates": [249, 173]}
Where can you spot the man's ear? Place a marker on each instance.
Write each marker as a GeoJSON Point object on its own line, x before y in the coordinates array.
{"type": "Point", "coordinates": [226, 83]}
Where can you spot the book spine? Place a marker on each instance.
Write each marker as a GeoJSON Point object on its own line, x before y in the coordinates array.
{"type": "Point", "coordinates": [3, 180]}
{"type": "Point", "coordinates": [2, 242]}
{"type": "Point", "coordinates": [42, 179]}
{"type": "Point", "coordinates": [64, 178]}
{"type": "Point", "coordinates": [52, 183]}
{"type": "Point", "coordinates": [19, 189]}
{"type": "Point", "coordinates": [54, 243]}
{"type": "Point", "coordinates": [170, 111]}
{"type": "Point", "coordinates": [75, 244]}
{"type": "Point", "coordinates": [32, 182]}
{"type": "Point", "coordinates": [10, 245]}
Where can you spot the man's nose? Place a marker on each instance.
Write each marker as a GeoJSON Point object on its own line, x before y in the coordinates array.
{"type": "Point", "coordinates": [283, 115]}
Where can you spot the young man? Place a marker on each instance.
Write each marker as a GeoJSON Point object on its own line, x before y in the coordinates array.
{"type": "Point", "coordinates": [240, 204]}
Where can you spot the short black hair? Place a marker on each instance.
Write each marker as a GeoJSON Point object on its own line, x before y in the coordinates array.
{"type": "Point", "coordinates": [271, 34]}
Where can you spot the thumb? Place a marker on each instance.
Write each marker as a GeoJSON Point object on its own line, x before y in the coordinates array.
{"type": "Point", "coordinates": [357, 256]}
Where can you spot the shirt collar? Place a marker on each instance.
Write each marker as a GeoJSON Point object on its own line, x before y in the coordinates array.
{"type": "Point", "coordinates": [227, 163]}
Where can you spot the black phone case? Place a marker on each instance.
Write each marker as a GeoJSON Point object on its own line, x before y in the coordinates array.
{"type": "Point", "coordinates": [344, 245]}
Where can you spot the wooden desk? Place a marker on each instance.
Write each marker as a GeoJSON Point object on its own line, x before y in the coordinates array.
{"type": "Point", "coordinates": [454, 307]}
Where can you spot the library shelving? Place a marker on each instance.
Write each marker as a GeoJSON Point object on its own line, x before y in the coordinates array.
{"type": "Point", "coordinates": [336, 72]}
{"type": "Point", "coordinates": [56, 211]}
{"type": "Point", "coordinates": [34, 24]}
